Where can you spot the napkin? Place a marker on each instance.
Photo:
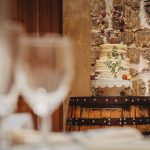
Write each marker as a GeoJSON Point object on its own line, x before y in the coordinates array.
{"type": "Point", "coordinates": [17, 121]}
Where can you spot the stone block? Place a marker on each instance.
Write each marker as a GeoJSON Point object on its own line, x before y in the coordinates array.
{"type": "Point", "coordinates": [147, 11]}
{"type": "Point", "coordinates": [96, 50]}
{"type": "Point", "coordinates": [134, 88]}
{"type": "Point", "coordinates": [92, 69]}
{"type": "Point", "coordinates": [95, 54]}
{"type": "Point", "coordinates": [118, 2]}
{"type": "Point", "coordinates": [114, 37]}
{"type": "Point", "coordinates": [127, 37]}
{"type": "Point", "coordinates": [133, 72]}
{"type": "Point", "coordinates": [132, 19]}
{"type": "Point", "coordinates": [142, 38]}
{"type": "Point", "coordinates": [128, 2]}
{"type": "Point", "coordinates": [96, 38]}
{"type": "Point", "coordinates": [94, 22]}
{"type": "Point", "coordinates": [140, 88]}
{"type": "Point", "coordinates": [96, 7]}
{"type": "Point", "coordinates": [134, 55]}
{"type": "Point", "coordinates": [145, 51]}
{"type": "Point", "coordinates": [118, 19]}
{"type": "Point", "coordinates": [135, 5]}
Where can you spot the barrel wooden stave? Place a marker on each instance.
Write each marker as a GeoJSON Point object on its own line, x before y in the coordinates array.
{"type": "Point", "coordinates": [108, 113]}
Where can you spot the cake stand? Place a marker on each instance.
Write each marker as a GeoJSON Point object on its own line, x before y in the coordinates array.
{"type": "Point", "coordinates": [111, 87]}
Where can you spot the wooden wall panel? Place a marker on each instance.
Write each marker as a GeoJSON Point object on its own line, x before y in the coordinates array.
{"type": "Point", "coordinates": [49, 16]}
{"type": "Point", "coordinates": [45, 16]}
{"type": "Point", "coordinates": [57, 16]}
{"type": "Point", "coordinates": [27, 14]}
{"type": "Point", "coordinates": [13, 10]}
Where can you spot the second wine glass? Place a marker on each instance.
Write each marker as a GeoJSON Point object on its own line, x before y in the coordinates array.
{"type": "Point", "coordinates": [44, 73]}
{"type": "Point", "coordinates": [9, 35]}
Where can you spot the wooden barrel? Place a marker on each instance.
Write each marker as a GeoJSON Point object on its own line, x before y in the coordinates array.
{"type": "Point", "coordinates": [102, 112]}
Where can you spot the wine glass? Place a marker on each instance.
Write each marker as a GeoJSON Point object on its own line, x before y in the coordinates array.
{"type": "Point", "coordinates": [44, 73]}
{"type": "Point", "coordinates": [145, 75]}
{"type": "Point", "coordinates": [9, 34]}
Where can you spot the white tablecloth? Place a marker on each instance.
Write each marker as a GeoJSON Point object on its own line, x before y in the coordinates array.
{"type": "Point", "coordinates": [98, 139]}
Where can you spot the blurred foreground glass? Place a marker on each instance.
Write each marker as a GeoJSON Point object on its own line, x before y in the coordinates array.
{"type": "Point", "coordinates": [9, 34]}
{"type": "Point", "coordinates": [44, 74]}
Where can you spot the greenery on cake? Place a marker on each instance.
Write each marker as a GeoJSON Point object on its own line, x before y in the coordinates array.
{"type": "Point", "coordinates": [114, 66]}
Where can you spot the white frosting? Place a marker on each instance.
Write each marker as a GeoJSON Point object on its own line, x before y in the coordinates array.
{"type": "Point", "coordinates": [102, 69]}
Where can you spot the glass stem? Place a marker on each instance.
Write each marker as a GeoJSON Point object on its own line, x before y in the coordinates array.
{"type": "Point", "coordinates": [46, 125]}
{"type": "Point", "coordinates": [45, 128]}
{"type": "Point", "coordinates": [4, 139]}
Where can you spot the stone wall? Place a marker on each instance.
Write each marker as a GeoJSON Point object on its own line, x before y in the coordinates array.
{"type": "Point", "coordinates": [130, 22]}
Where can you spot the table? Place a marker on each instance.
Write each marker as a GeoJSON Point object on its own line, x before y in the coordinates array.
{"type": "Point", "coordinates": [100, 139]}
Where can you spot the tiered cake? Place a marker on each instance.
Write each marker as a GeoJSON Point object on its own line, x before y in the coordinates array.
{"type": "Point", "coordinates": [112, 69]}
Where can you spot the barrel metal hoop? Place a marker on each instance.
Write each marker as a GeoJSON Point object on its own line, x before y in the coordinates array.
{"type": "Point", "coordinates": [110, 101]}
{"type": "Point", "coordinates": [108, 121]}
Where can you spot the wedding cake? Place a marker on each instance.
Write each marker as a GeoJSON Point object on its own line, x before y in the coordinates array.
{"type": "Point", "coordinates": [112, 68]}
